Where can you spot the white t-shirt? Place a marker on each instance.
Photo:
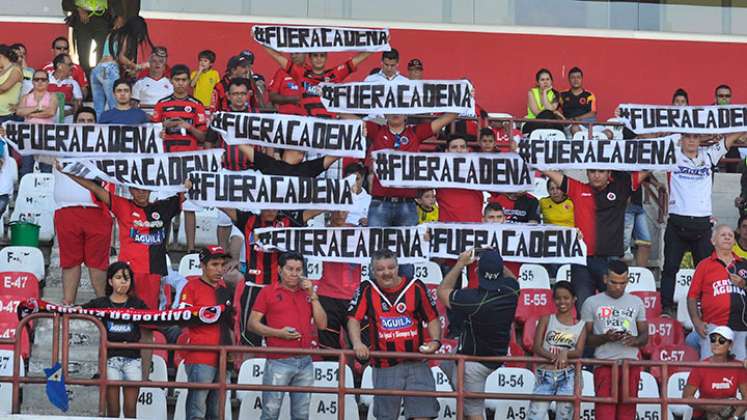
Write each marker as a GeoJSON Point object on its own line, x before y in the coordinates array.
{"type": "Point", "coordinates": [149, 91]}
{"type": "Point", "coordinates": [8, 174]}
{"type": "Point", "coordinates": [690, 186]}
{"type": "Point", "coordinates": [361, 202]}
{"type": "Point", "coordinates": [67, 193]}
{"type": "Point", "coordinates": [77, 92]}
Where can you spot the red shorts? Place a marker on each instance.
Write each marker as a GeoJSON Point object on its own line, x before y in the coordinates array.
{"type": "Point", "coordinates": [148, 288]}
{"type": "Point", "coordinates": [84, 235]}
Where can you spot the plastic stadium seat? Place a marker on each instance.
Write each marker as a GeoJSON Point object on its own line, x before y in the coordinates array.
{"type": "Point", "coordinates": [597, 133]}
{"type": "Point", "coordinates": [564, 273]}
{"type": "Point", "coordinates": [367, 383]}
{"type": "Point", "coordinates": [21, 284]}
{"type": "Point", "coordinates": [251, 401]}
{"type": "Point", "coordinates": [662, 332]}
{"type": "Point", "coordinates": [536, 296]}
{"type": "Point", "coordinates": [151, 402]}
{"type": "Point", "coordinates": [447, 406]}
{"type": "Point", "coordinates": [683, 316]}
{"type": "Point", "coordinates": [547, 134]}
{"type": "Point", "coordinates": [648, 388]}
{"type": "Point", "coordinates": [507, 380]}
{"type": "Point", "coordinates": [652, 303]}
{"type": "Point", "coordinates": [527, 334]}
{"type": "Point", "coordinates": [428, 272]}
{"type": "Point", "coordinates": [587, 408]}
{"type": "Point", "coordinates": [640, 279]}
{"type": "Point", "coordinates": [8, 331]}
{"type": "Point", "coordinates": [324, 406]}
{"type": "Point", "coordinates": [38, 213]}
{"type": "Point", "coordinates": [22, 258]}
{"type": "Point", "coordinates": [206, 228]}
{"type": "Point", "coordinates": [180, 412]}
{"type": "Point", "coordinates": [314, 269]}
{"type": "Point", "coordinates": [514, 349]}
{"type": "Point", "coordinates": [673, 353]}
{"type": "Point", "coordinates": [539, 189]}
{"type": "Point", "coordinates": [159, 338]}
{"type": "Point", "coordinates": [6, 388]}
{"type": "Point", "coordinates": [681, 287]}
{"type": "Point", "coordinates": [36, 182]}
{"type": "Point", "coordinates": [189, 265]}
{"type": "Point", "coordinates": [675, 387]}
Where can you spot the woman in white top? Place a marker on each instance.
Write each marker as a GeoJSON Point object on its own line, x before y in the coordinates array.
{"type": "Point", "coordinates": [559, 337]}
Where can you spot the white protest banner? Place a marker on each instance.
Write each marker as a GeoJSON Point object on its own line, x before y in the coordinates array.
{"type": "Point", "coordinates": [293, 39]}
{"type": "Point", "coordinates": [78, 140]}
{"type": "Point", "coordinates": [657, 154]}
{"type": "Point", "coordinates": [164, 172]}
{"type": "Point", "coordinates": [496, 172]}
{"type": "Point", "coordinates": [546, 244]}
{"type": "Point", "coordinates": [251, 190]}
{"type": "Point", "coordinates": [643, 119]}
{"type": "Point", "coordinates": [352, 245]}
{"type": "Point", "coordinates": [410, 97]}
{"type": "Point", "coordinates": [320, 135]}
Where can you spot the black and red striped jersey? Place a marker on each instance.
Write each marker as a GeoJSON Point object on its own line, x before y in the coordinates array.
{"type": "Point", "coordinates": [219, 100]}
{"type": "Point", "coordinates": [233, 159]}
{"type": "Point", "coordinates": [395, 316]}
{"type": "Point", "coordinates": [266, 263]}
{"type": "Point", "coordinates": [187, 109]}
{"type": "Point", "coordinates": [311, 97]}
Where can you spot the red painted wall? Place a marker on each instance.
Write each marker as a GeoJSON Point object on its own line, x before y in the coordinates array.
{"type": "Point", "coordinates": [502, 66]}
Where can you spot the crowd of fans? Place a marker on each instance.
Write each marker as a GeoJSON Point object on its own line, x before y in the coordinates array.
{"type": "Point", "coordinates": [279, 307]}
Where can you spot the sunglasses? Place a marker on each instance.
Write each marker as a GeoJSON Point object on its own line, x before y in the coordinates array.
{"type": "Point", "coordinates": [721, 340]}
{"type": "Point", "coordinates": [724, 96]}
{"type": "Point", "coordinates": [40, 79]}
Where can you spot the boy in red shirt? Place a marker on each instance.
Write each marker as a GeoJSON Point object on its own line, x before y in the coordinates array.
{"type": "Point", "coordinates": [288, 308]}
{"type": "Point", "coordinates": [207, 290]}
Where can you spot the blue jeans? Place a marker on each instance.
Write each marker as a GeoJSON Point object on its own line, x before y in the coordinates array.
{"type": "Point", "coordinates": [201, 403]}
{"type": "Point", "coordinates": [103, 77]}
{"type": "Point", "coordinates": [693, 340]}
{"type": "Point", "coordinates": [589, 279]}
{"type": "Point", "coordinates": [293, 371]}
{"type": "Point", "coordinates": [636, 226]}
{"type": "Point", "coordinates": [552, 382]}
{"type": "Point", "coordinates": [383, 213]}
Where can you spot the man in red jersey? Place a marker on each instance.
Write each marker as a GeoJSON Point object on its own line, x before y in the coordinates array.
{"type": "Point", "coordinates": [459, 204]}
{"type": "Point", "coordinates": [285, 92]}
{"type": "Point", "coordinates": [396, 309]}
{"type": "Point", "coordinates": [60, 45]}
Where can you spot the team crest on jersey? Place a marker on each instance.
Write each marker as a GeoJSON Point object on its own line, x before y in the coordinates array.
{"type": "Point", "coordinates": [155, 215]}
{"type": "Point", "coordinates": [188, 108]}
{"type": "Point", "coordinates": [582, 101]}
{"type": "Point", "coordinates": [401, 307]}
{"type": "Point", "coordinates": [742, 273]}
{"type": "Point", "coordinates": [611, 196]}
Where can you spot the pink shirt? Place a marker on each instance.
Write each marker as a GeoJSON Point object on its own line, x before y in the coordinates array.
{"type": "Point", "coordinates": [30, 101]}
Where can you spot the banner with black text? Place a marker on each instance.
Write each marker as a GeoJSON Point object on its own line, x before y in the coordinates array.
{"type": "Point", "coordinates": [657, 154]}
{"type": "Point", "coordinates": [722, 119]}
{"type": "Point", "coordinates": [319, 135]}
{"type": "Point", "coordinates": [163, 172]}
{"type": "Point", "coordinates": [495, 172]}
{"type": "Point", "coordinates": [352, 245]}
{"type": "Point", "coordinates": [408, 98]}
{"type": "Point", "coordinates": [305, 39]}
{"type": "Point", "coordinates": [78, 140]}
{"type": "Point", "coordinates": [251, 190]}
{"type": "Point", "coordinates": [539, 244]}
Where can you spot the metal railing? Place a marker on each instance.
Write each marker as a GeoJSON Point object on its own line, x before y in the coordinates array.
{"type": "Point", "coordinates": [61, 328]}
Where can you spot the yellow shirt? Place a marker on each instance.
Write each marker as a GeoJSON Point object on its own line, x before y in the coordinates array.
{"type": "Point", "coordinates": [557, 213]}
{"type": "Point", "coordinates": [430, 216]}
{"type": "Point", "coordinates": [739, 251]}
{"type": "Point", "coordinates": [204, 86]}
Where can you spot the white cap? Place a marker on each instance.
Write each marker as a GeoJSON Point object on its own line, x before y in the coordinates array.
{"type": "Point", "coordinates": [725, 332]}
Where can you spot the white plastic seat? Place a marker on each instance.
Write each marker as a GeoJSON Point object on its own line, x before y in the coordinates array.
{"type": "Point", "coordinates": [314, 269]}
{"type": "Point", "coordinates": [640, 279]}
{"type": "Point", "coordinates": [22, 258]}
{"type": "Point", "coordinates": [206, 228]}
{"type": "Point", "coordinates": [533, 276]}
{"type": "Point", "coordinates": [364, 272]}
{"type": "Point", "coordinates": [447, 406]}
{"type": "Point", "coordinates": [250, 407]}
{"type": "Point", "coordinates": [539, 188]}
{"type": "Point", "coordinates": [510, 381]}
{"type": "Point", "coordinates": [587, 408]}
{"type": "Point", "coordinates": [597, 133]}
{"type": "Point", "coordinates": [38, 213]}
{"type": "Point", "coordinates": [6, 388]}
{"type": "Point", "coordinates": [675, 387]}
{"type": "Point", "coordinates": [682, 282]}
{"type": "Point", "coordinates": [151, 402]}
{"type": "Point", "coordinates": [428, 272]}
{"type": "Point", "coordinates": [547, 134]}
{"type": "Point", "coordinates": [189, 265]}
{"type": "Point", "coordinates": [36, 182]}
{"type": "Point", "coordinates": [564, 273]}
{"type": "Point", "coordinates": [324, 406]}
{"type": "Point", "coordinates": [180, 410]}
{"type": "Point", "coordinates": [648, 388]}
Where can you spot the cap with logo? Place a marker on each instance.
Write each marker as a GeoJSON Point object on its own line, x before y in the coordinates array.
{"type": "Point", "coordinates": [490, 269]}
{"type": "Point", "coordinates": [723, 331]}
{"type": "Point", "coordinates": [248, 55]}
{"type": "Point", "coordinates": [160, 52]}
{"type": "Point", "coordinates": [236, 61]}
{"type": "Point", "coordinates": [415, 63]}
{"type": "Point", "coordinates": [212, 252]}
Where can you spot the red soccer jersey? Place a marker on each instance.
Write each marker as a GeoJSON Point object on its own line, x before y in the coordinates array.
{"type": "Point", "coordinates": [142, 231]}
{"type": "Point", "coordinates": [76, 72]}
{"type": "Point", "coordinates": [198, 292]}
{"type": "Point", "coordinates": [721, 301]}
{"type": "Point", "coordinates": [339, 280]}
{"type": "Point", "coordinates": [265, 262]}
{"type": "Point", "coordinates": [311, 97]}
{"type": "Point", "coordinates": [716, 383]}
{"type": "Point", "coordinates": [188, 109]}
{"type": "Point", "coordinates": [459, 205]}
{"type": "Point", "coordinates": [283, 307]}
{"type": "Point", "coordinates": [283, 84]}
{"type": "Point", "coordinates": [395, 316]}
{"type": "Point", "coordinates": [380, 137]}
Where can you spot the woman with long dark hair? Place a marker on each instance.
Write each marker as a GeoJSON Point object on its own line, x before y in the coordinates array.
{"type": "Point", "coordinates": [122, 364]}
{"type": "Point", "coordinates": [120, 52]}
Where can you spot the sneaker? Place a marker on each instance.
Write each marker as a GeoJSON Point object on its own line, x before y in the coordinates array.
{"type": "Point", "coordinates": [668, 312]}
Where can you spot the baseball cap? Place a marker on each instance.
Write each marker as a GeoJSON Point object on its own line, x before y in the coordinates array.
{"type": "Point", "coordinates": [236, 61]}
{"type": "Point", "coordinates": [248, 55]}
{"type": "Point", "coordinates": [723, 331]}
{"type": "Point", "coordinates": [490, 269]}
{"type": "Point", "coordinates": [211, 252]}
{"type": "Point", "coordinates": [160, 51]}
{"type": "Point", "coordinates": [415, 62]}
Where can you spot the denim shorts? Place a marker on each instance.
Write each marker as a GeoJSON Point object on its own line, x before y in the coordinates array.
{"type": "Point", "coordinates": [120, 368]}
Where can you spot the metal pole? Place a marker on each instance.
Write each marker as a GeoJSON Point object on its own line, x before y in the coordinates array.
{"type": "Point", "coordinates": [342, 362]}
{"type": "Point", "coordinates": [577, 391]}
{"type": "Point", "coordinates": [460, 388]}
{"type": "Point", "coordinates": [222, 384]}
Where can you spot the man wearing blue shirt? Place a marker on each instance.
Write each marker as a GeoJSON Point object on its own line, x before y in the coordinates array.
{"type": "Point", "coordinates": [124, 112]}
